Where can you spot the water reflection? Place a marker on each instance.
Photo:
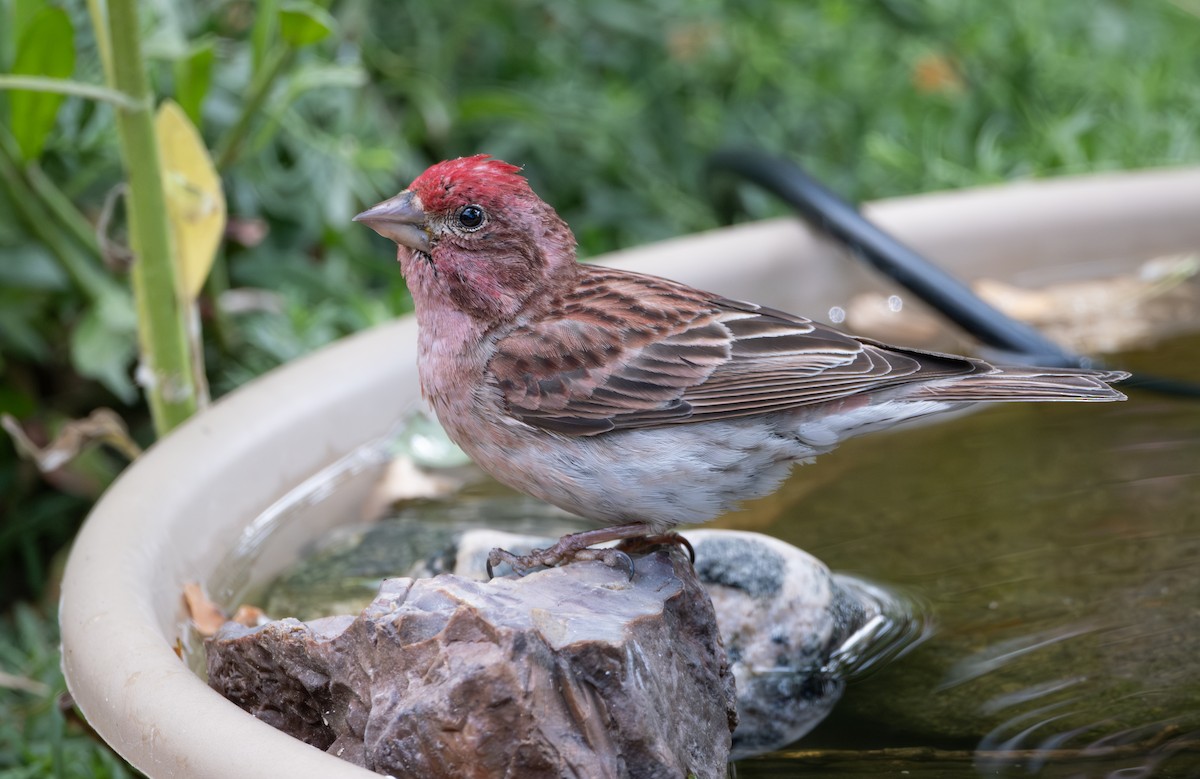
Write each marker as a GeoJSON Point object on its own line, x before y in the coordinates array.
{"type": "Point", "coordinates": [904, 622]}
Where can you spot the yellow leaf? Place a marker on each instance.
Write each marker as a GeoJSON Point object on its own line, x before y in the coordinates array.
{"type": "Point", "coordinates": [195, 201]}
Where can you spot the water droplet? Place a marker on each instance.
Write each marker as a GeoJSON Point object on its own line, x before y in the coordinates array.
{"type": "Point", "coordinates": [895, 303]}
{"type": "Point", "coordinates": [837, 315]}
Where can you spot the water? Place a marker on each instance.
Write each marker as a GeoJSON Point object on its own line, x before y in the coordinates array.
{"type": "Point", "coordinates": [1056, 547]}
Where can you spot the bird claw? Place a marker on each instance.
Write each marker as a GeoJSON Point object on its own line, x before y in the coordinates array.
{"type": "Point", "coordinates": [642, 544]}
{"type": "Point", "coordinates": [559, 554]}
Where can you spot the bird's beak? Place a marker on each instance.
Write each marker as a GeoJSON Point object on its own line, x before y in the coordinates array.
{"type": "Point", "coordinates": [401, 218]}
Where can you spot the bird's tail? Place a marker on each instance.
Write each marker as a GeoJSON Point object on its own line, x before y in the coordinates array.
{"type": "Point", "coordinates": [1019, 383]}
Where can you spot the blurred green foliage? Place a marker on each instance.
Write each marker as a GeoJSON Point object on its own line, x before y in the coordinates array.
{"type": "Point", "coordinates": [314, 110]}
{"type": "Point", "coordinates": [37, 737]}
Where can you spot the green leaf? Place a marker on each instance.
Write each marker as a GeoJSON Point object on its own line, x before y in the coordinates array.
{"type": "Point", "coordinates": [31, 266]}
{"type": "Point", "coordinates": [17, 402]}
{"type": "Point", "coordinates": [490, 105]}
{"type": "Point", "coordinates": [166, 38]}
{"type": "Point", "coordinates": [193, 76]}
{"type": "Point", "coordinates": [324, 76]}
{"type": "Point", "coordinates": [46, 48]}
{"type": "Point", "coordinates": [303, 24]}
{"type": "Point", "coordinates": [22, 325]}
{"type": "Point", "coordinates": [263, 34]}
{"type": "Point", "coordinates": [19, 14]}
{"type": "Point", "coordinates": [103, 345]}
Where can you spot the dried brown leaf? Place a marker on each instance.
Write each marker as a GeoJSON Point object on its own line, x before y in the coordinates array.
{"type": "Point", "coordinates": [205, 614]}
{"type": "Point", "coordinates": [102, 426]}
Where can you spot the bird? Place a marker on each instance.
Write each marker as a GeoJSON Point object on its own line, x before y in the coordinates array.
{"type": "Point", "coordinates": [634, 401]}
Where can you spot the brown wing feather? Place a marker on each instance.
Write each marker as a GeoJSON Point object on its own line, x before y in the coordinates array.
{"type": "Point", "coordinates": [624, 350]}
{"type": "Point", "coordinates": [617, 347]}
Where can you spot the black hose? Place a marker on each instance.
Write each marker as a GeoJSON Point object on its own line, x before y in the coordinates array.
{"type": "Point", "coordinates": [831, 214]}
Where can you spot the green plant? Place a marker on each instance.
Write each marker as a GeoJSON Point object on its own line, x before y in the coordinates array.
{"type": "Point", "coordinates": [66, 313]}
{"type": "Point", "coordinates": [37, 737]}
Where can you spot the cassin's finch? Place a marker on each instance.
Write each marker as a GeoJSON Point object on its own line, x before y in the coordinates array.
{"type": "Point", "coordinates": [633, 400]}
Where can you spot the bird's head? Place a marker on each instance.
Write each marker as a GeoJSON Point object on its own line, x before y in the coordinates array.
{"type": "Point", "coordinates": [472, 233]}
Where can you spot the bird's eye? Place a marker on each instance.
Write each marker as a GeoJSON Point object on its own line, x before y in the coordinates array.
{"type": "Point", "coordinates": [471, 217]}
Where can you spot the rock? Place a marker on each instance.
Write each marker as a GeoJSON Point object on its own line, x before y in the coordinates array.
{"type": "Point", "coordinates": [341, 574]}
{"type": "Point", "coordinates": [570, 671]}
{"type": "Point", "coordinates": [793, 631]}
{"type": "Point", "coordinates": [786, 622]}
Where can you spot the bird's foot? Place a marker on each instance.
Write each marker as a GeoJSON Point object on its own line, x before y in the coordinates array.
{"type": "Point", "coordinates": [642, 544]}
{"type": "Point", "coordinates": [575, 546]}
{"type": "Point", "coordinates": [553, 556]}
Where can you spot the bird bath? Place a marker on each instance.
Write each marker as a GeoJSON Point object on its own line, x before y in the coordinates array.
{"type": "Point", "coordinates": [281, 461]}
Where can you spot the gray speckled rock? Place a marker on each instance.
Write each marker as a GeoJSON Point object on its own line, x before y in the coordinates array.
{"type": "Point", "coordinates": [782, 616]}
{"type": "Point", "coordinates": [567, 672]}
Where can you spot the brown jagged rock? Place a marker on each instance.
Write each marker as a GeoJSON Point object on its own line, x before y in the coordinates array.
{"type": "Point", "coordinates": [572, 671]}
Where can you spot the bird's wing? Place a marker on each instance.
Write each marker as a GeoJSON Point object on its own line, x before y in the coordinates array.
{"type": "Point", "coordinates": [623, 350]}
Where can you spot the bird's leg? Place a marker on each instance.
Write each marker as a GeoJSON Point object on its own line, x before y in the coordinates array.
{"type": "Point", "coordinates": [573, 546]}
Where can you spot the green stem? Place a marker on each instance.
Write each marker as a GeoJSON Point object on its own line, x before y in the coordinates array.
{"type": "Point", "coordinates": [162, 319]}
{"type": "Point", "coordinates": [230, 145]}
{"type": "Point", "coordinates": [62, 86]}
{"type": "Point", "coordinates": [31, 205]}
{"type": "Point", "coordinates": [99, 16]}
{"type": "Point", "coordinates": [216, 285]}
{"type": "Point", "coordinates": [61, 206]}
{"type": "Point", "coordinates": [266, 20]}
